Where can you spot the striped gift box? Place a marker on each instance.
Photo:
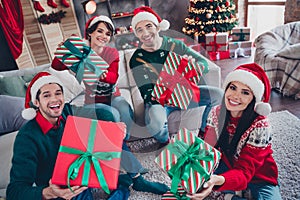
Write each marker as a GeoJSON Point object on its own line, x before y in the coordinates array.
{"type": "Point", "coordinates": [89, 76]}
{"type": "Point", "coordinates": [166, 160]}
{"type": "Point", "coordinates": [170, 196]}
{"type": "Point", "coordinates": [179, 77]}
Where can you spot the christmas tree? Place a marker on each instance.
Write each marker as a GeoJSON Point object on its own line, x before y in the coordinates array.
{"type": "Point", "coordinates": [206, 16]}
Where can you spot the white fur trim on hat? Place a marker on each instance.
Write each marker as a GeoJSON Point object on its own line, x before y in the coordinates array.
{"type": "Point", "coordinates": [28, 113]}
{"type": "Point", "coordinates": [102, 18]}
{"type": "Point", "coordinates": [255, 84]}
{"type": "Point", "coordinates": [41, 82]}
{"type": "Point", "coordinates": [142, 16]}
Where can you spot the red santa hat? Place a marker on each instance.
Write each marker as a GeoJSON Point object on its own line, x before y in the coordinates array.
{"type": "Point", "coordinates": [146, 13]}
{"type": "Point", "coordinates": [38, 81]}
{"type": "Point", "coordinates": [256, 79]}
{"type": "Point", "coordinates": [95, 19]}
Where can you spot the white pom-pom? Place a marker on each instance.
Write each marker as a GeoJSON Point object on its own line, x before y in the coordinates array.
{"type": "Point", "coordinates": [164, 25]}
{"type": "Point", "coordinates": [29, 113]}
{"type": "Point", "coordinates": [263, 108]}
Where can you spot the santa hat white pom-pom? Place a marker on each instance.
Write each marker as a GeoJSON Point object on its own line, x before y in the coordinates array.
{"type": "Point", "coordinates": [164, 25]}
{"type": "Point", "coordinates": [29, 113]}
{"type": "Point", "coordinates": [262, 108]}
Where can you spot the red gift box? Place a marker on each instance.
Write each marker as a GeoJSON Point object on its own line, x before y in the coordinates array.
{"type": "Point", "coordinates": [189, 161]}
{"type": "Point", "coordinates": [218, 55]}
{"type": "Point", "coordinates": [177, 82]}
{"type": "Point", "coordinates": [216, 41]}
{"type": "Point", "coordinates": [75, 55]}
{"type": "Point", "coordinates": [89, 154]}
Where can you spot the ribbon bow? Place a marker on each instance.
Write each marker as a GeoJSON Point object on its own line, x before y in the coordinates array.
{"type": "Point", "coordinates": [89, 157]}
{"type": "Point", "coordinates": [170, 82]}
{"type": "Point", "coordinates": [84, 60]}
{"type": "Point", "coordinates": [188, 158]}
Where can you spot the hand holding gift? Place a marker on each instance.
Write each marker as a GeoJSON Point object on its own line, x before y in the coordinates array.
{"type": "Point", "coordinates": [189, 161]}
{"type": "Point", "coordinates": [177, 82]}
{"type": "Point", "coordinates": [89, 154]}
{"type": "Point", "coordinates": [79, 58]}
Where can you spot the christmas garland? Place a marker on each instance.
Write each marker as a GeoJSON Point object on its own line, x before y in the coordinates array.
{"type": "Point", "coordinates": [54, 17]}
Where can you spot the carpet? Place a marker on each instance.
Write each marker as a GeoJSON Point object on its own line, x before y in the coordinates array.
{"type": "Point", "coordinates": [286, 133]}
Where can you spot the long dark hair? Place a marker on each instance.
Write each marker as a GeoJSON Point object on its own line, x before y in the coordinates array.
{"type": "Point", "coordinates": [94, 27]}
{"type": "Point", "coordinates": [247, 118]}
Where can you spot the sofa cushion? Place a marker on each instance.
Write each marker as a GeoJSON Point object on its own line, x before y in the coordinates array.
{"type": "Point", "coordinates": [13, 86]}
{"type": "Point", "coordinates": [6, 149]}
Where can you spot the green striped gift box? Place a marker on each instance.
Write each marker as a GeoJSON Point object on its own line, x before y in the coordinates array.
{"type": "Point", "coordinates": [89, 77]}
{"type": "Point", "coordinates": [167, 159]}
{"type": "Point", "coordinates": [178, 82]}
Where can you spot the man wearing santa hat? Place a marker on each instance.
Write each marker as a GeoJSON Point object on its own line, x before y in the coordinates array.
{"type": "Point", "coordinates": [152, 52]}
{"type": "Point", "coordinates": [37, 143]}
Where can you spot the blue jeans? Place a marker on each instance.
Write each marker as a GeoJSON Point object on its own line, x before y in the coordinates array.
{"type": "Point", "coordinates": [156, 122]}
{"type": "Point", "coordinates": [85, 195]}
{"type": "Point", "coordinates": [125, 112]}
{"type": "Point", "coordinates": [156, 115]}
{"type": "Point", "coordinates": [119, 109]}
{"type": "Point", "coordinates": [129, 162]}
{"type": "Point", "coordinates": [259, 191]}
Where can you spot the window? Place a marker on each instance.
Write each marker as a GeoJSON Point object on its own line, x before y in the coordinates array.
{"type": "Point", "coordinates": [263, 15]}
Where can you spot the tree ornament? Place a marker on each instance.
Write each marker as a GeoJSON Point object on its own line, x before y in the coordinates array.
{"type": "Point", "coordinates": [214, 29]}
{"type": "Point", "coordinates": [218, 9]}
{"type": "Point", "coordinates": [201, 27]}
{"type": "Point", "coordinates": [211, 7]}
{"type": "Point", "coordinates": [208, 15]}
{"type": "Point", "coordinates": [219, 17]}
{"type": "Point", "coordinates": [227, 4]}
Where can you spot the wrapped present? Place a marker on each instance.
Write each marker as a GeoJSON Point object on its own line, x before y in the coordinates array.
{"type": "Point", "coordinates": [240, 49]}
{"type": "Point", "coordinates": [180, 195]}
{"type": "Point", "coordinates": [189, 161]}
{"type": "Point", "coordinates": [80, 59]}
{"type": "Point", "coordinates": [89, 154]}
{"type": "Point", "coordinates": [216, 41]}
{"type": "Point", "coordinates": [177, 82]}
{"type": "Point", "coordinates": [218, 55]}
{"type": "Point", "coordinates": [240, 34]}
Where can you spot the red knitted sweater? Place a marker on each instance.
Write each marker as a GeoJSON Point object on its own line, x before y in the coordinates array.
{"type": "Point", "coordinates": [253, 160]}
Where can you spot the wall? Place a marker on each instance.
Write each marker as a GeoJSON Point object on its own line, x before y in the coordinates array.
{"type": "Point", "coordinates": [40, 40]}
{"type": "Point", "coordinates": [292, 11]}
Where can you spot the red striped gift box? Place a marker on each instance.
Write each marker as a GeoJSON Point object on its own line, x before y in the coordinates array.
{"type": "Point", "coordinates": [177, 82]}
{"type": "Point", "coordinates": [89, 76]}
{"type": "Point", "coordinates": [168, 159]}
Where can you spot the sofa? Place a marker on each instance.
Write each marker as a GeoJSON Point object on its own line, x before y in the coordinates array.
{"type": "Point", "coordinates": [190, 119]}
{"type": "Point", "coordinates": [278, 52]}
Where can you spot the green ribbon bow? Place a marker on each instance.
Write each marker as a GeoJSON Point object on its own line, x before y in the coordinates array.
{"type": "Point", "coordinates": [84, 60]}
{"type": "Point", "coordinates": [189, 157]}
{"type": "Point", "coordinates": [89, 157]}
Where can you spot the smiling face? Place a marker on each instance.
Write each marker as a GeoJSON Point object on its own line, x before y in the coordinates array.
{"type": "Point", "coordinates": [237, 98]}
{"type": "Point", "coordinates": [147, 32]}
{"type": "Point", "coordinates": [101, 36]}
{"type": "Point", "coordinates": [50, 102]}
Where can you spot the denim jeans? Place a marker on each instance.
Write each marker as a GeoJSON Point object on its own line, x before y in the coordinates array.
{"type": "Point", "coordinates": [156, 122]}
{"type": "Point", "coordinates": [85, 195]}
{"type": "Point", "coordinates": [259, 191]}
{"type": "Point", "coordinates": [129, 162]}
{"type": "Point", "coordinates": [125, 112]}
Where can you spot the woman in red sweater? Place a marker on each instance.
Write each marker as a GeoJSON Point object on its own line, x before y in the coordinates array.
{"type": "Point", "coordinates": [240, 129]}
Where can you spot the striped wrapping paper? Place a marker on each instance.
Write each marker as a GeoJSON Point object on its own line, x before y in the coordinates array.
{"type": "Point", "coordinates": [89, 76]}
{"type": "Point", "coordinates": [166, 160]}
{"type": "Point", "coordinates": [181, 194]}
{"type": "Point", "coordinates": [179, 80]}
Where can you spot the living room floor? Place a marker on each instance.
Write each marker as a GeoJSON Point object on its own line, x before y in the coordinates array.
{"type": "Point", "coordinates": [278, 102]}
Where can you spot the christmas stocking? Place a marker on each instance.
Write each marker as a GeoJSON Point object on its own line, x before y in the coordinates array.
{"type": "Point", "coordinates": [51, 3]}
{"type": "Point", "coordinates": [65, 3]}
{"type": "Point", "coordinates": [37, 6]}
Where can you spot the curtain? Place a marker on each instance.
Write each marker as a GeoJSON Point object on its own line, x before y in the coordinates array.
{"type": "Point", "coordinates": [12, 23]}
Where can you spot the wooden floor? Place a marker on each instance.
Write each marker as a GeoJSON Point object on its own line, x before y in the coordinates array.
{"type": "Point", "coordinates": [278, 102]}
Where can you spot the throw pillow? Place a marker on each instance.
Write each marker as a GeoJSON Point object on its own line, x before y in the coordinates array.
{"type": "Point", "coordinates": [13, 86]}
{"type": "Point", "coordinates": [292, 52]}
